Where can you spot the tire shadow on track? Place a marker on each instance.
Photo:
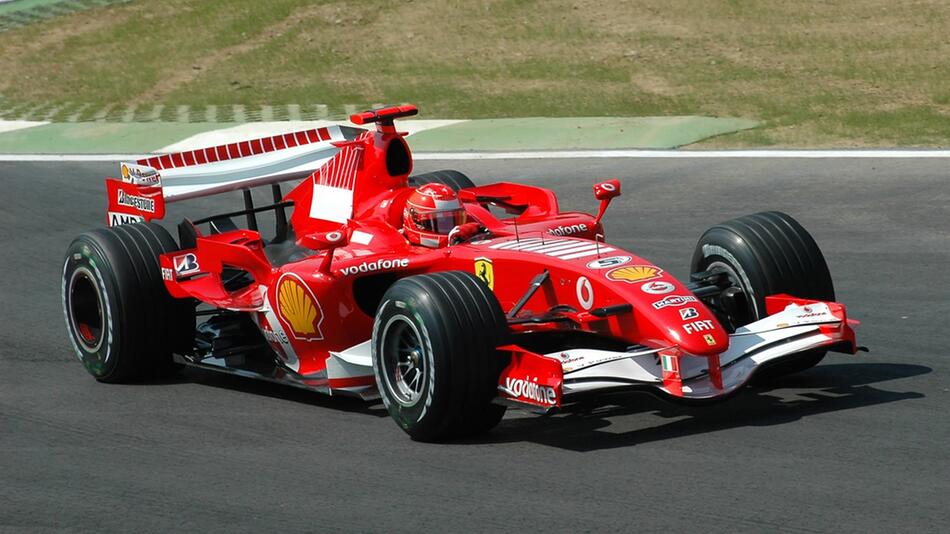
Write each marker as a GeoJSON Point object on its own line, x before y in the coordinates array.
{"type": "Point", "coordinates": [823, 389]}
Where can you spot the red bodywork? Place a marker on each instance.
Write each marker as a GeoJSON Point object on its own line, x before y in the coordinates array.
{"type": "Point", "coordinates": [309, 308]}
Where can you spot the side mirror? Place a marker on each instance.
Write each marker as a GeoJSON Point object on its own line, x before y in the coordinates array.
{"type": "Point", "coordinates": [327, 241]}
{"type": "Point", "coordinates": [605, 192]}
{"type": "Point", "coordinates": [324, 240]}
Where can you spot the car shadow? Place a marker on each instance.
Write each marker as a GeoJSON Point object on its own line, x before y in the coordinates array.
{"type": "Point", "coordinates": [280, 391]}
{"type": "Point", "coordinates": [823, 389]}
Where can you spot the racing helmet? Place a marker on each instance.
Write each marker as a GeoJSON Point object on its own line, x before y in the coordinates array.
{"type": "Point", "coordinates": [431, 212]}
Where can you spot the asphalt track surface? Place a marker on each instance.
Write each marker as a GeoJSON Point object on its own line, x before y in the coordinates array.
{"type": "Point", "coordinates": [859, 443]}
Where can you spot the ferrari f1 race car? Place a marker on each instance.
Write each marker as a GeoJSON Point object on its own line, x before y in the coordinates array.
{"type": "Point", "coordinates": [448, 300]}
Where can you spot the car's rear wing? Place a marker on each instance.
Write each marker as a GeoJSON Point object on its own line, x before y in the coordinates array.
{"type": "Point", "coordinates": [148, 184]}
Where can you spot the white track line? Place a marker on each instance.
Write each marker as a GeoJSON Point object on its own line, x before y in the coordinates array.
{"type": "Point", "coordinates": [570, 154]}
{"type": "Point", "coordinates": [576, 154]}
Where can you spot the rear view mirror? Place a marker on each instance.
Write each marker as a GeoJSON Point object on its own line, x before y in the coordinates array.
{"type": "Point", "coordinates": [604, 192]}
{"type": "Point", "coordinates": [324, 240]}
{"type": "Point", "coordinates": [327, 241]}
{"type": "Point", "coordinates": [607, 190]}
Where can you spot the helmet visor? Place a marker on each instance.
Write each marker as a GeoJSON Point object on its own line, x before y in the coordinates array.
{"type": "Point", "coordinates": [439, 222]}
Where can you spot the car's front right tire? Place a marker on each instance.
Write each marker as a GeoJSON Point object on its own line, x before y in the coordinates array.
{"type": "Point", "coordinates": [764, 254]}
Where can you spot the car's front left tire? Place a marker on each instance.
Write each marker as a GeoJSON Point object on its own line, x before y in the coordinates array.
{"type": "Point", "coordinates": [434, 341]}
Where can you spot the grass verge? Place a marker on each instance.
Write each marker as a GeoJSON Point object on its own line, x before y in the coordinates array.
{"type": "Point", "coordinates": [828, 74]}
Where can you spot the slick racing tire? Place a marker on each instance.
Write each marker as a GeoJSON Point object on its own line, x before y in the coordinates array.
{"type": "Point", "coordinates": [123, 324]}
{"type": "Point", "coordinates": [453, 179]}
{"type": "Point", "coordinates": [764, 254]}
{"type": "Point", "coordinates": [434, 341]}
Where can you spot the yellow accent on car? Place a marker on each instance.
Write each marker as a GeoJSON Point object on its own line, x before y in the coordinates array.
{"type": "Point", "coordinates": [485, 272]}
{"type": "Point", "coordinates": [635, 273]}
{"type": "Point", "coordinates": [297, 307]}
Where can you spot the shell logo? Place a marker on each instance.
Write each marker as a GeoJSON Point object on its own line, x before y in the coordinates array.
{"type": "Point", "coordinates": [298, 308]}
{"type": "Point", "coordinates": [634, 273]}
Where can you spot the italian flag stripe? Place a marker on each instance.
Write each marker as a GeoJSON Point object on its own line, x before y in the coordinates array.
{"type": "Point", "coordinates": [668, 364]}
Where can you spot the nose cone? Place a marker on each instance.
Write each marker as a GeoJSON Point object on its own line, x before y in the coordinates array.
{"type": "Point", "coordinates": [673, 312]}
{"type": "Point", "coordinates": [700, 335]}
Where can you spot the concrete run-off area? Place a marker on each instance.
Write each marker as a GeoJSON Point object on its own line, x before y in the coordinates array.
{"type": "Point", "coordinates": [23, 137]}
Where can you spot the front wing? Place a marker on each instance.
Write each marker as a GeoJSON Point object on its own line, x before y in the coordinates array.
{"type": "Point", "coordinates": [542, 382]}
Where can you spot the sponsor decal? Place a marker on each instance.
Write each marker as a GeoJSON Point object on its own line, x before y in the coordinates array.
{"type": "Point", "coordinates": [333, 237]}
{"type": "Point", "coordinates": [273, 331]}
{"type": "Point", "coordinates": [606, 263]}
{"type": "Point", "coordinates": [377, 265]}
{"type": "Point", "coordinates": [523, 388]}
{"type": "Point", "coordinates": [710, 340]}
{"type": "Point", "coordinates": [673, 300]}
{"type": "Point", "coordinates": [186, 264]}
{"type": "Point", "coordinates": [136, 202]}
{"type": "Point", "coordinates": [634, 273]}
{"type": "Point", "coordinates": [585, 293]}
{"type": "Point", "coordinates": [167, 274]}
{"type": "Point", "coordinates": [298, 308]}
{"type": "Point", "coordinates": [568, 230]}
{"type": "Point", "coordinates": [567, 359]}
{"type": "Point", "coordinates": [698, 326]}
{"type": "Point", "coordinates": [485, 272]}
{"type": "Point", "coordinates": [581, 360]}
{"type": "Point", "coordinates": [657, 288]}
{"type": "Point", "coordinates": [809, 312]}
{"type": "Point", "coordinates": [563, 249]}
{"type": "Point", "coordinates": [688, 313]}
{"type": "Point", "coordinates": [115, 218]}
{"type": "Point", "coordinates": [139, 174]}
{"type": "Point", "coordinates": [279, 338]}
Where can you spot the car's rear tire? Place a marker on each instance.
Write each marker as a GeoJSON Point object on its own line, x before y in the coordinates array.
{"type": "Point", "coordinates": [453, 179]}
{"type": "Point", "coordinates": [764, 254]}
{"type": "Point", "coordinates": [121, 320]}
{"type": "Point", "coordinates": [434, 341]}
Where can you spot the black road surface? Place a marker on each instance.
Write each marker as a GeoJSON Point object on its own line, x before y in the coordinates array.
{"type": "Point", "coordinates": [859, 443]}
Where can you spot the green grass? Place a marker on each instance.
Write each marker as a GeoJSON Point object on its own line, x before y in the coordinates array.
{"type": "Point", "coordinates": [856, 73]}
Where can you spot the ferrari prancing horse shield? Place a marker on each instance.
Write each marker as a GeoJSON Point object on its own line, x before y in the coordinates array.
{"type": "Point", "coordinates": [484, 272]}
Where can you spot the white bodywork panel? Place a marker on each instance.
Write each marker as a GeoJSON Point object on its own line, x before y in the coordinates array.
{"type": "Point", "coordinates": [285, 164]}
{"type": "Point", "coordinates": [354, 362]}
{"type": "Point", "coordinates": [790, 331]}
{"type": "Point", "coordinates": [331, 203]}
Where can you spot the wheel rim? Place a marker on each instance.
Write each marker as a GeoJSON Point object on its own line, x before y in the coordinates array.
{"type": "Point", "coordinates": [736, 281]}
{"type": "Point", "coordinates": [86, 313]}
{"type": "Point", "coordinates": [404, 361]}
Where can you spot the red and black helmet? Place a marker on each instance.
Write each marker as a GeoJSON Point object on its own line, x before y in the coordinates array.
{"type": "Point", "coordinates": [432, 211]}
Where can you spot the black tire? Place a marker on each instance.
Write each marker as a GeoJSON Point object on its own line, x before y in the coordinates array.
{"type": "Point", "coordinates": [447, 326]}
{"type": "Point", "coordinates": [121, 320]}
{"type": "Point", "coordinates": [767, 253]}
{"type": "Point", "coordinates": [453, 179]}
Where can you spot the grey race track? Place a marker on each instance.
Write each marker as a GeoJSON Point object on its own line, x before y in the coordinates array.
{"type": "Point", "coordinates": [859, 443]}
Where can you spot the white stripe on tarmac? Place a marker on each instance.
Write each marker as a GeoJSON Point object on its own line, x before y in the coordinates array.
{"type": "Point", "coordinates": [580, 154]}
{"type": "Point", "coordinates": [571, 154]}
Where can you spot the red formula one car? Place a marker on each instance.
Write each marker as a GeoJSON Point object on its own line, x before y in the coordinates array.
{"type": "Point", "coordinates": [450, 301]}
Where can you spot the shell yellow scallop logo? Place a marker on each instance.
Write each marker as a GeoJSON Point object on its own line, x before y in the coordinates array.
{"type": "Point", "coordinates": [298, 308]}
{"type": "Point", "coordinates": [634, 273]}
